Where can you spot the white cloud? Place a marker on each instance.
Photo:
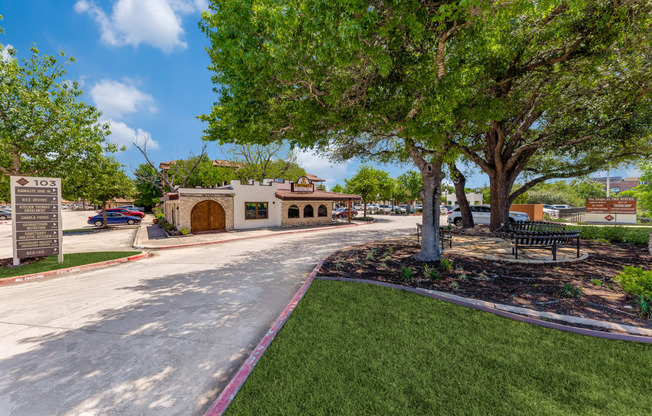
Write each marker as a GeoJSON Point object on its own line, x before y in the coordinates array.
{"type": "Point", "coordinates": [4, 53]}
{"type": "Point", "coordinates": [318, 165]}
{"type": "Point", "coordinates": [125, 135]}
{"type": "Point", "coordinates": [116, 98]}
{"type": "Point", "coordinates": [153, 22]}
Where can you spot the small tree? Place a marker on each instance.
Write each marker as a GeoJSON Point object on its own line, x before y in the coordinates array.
{"type": "Point", "coordinates": [365, 183]}
{"type": "Point", "coordinates": [147, 194]}
{"type": "Point", "coordinates": [109, 182]}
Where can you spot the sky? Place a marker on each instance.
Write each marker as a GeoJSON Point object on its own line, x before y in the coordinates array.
{"type": "Point", "coordinates": [143, 63]}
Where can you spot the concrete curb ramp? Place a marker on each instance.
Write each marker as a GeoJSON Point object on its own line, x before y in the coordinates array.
{"type": "Point", "coordinates": [69, 270]}
{"type": "Point", "coordinates": [225, 398]}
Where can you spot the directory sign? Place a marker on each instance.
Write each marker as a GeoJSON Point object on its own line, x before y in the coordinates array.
{"type": "Point", "coordinates": [36, 212]}
{"type": "Point", "coordinates": [616, 210]}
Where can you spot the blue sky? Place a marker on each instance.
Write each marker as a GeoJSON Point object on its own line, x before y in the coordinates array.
{"type": "Point", "coordinates": [143, 64]}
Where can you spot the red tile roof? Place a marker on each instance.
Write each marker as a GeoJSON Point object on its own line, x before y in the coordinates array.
{"type": "Point", "coordinates": [317, 195]}
{"type": "Point", "coordinates": [314, 178]}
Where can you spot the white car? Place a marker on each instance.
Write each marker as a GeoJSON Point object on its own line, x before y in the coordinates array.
{"type": "Point", "coordinates": [482, 215]}
{"type": "Point", "coordinates": [561, 207]}
{"type": "Point", "coordinates": [550, 210]}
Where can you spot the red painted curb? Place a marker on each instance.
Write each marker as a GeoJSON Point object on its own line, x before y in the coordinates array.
{"type": "Point", "coordinates": [205, 243]}
{"type": "Point", "coordinates": [228, 394]}
{"type": "Point", "coordinates": [60, 272]}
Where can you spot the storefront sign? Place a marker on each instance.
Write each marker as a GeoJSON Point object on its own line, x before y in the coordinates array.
{"type": "Point", "coordinates": [36, 224]}
{"type": "Point", "coordinates": [303, 184]}
{"type": "Point", "coordinates": [611, 210]}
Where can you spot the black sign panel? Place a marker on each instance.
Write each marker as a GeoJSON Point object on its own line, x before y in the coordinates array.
{"type": "Point", "coordinates": [36, 217]}
{"type": "Point", "coordinates": [37, 226]}
{"type": "Point", "coordinates": [36, 235]}
{"type": "Point", "coordinates": [36, 209]}
{"type": "Point", "coordinates": [37, 252]}
{"type": "Point", "coordinates": [36, 191]}
{"type": "Point", "coordinates": [36, 199]}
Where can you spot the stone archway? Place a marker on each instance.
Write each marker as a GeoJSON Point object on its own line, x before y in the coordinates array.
{"type": "Point", "coordinates": [207, 216]}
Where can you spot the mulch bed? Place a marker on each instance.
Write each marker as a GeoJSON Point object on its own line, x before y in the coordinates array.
{"type": "Point", "coordinates": [8, 263]}
{"type": "Point", "coordinates": [534, 286]}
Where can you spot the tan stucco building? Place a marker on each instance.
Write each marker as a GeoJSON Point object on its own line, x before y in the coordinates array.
{"type": "Point", "coordinates": [248, 205]}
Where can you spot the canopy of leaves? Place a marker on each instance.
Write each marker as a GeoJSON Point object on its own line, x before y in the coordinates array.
{"type": "Point", "coordinates": [109, 181]}
{"type": "Point", "coordinates": [44, 127]}
{"type": "Point", "coordinates": [573, 193]}
{"type": "Point", "coordinates": [147, 194]}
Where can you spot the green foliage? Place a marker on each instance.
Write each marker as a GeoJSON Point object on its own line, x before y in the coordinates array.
{"type": "Point", "coordinates": [445, 264]}
{"type": "Point", "coordinates": [266, 161]}
{"type": "Point", "coordinates": [644, 304]}
{"type": "Point", "coordinates": [406, 273]}
{"type": "Point", "coordinates": [412, 183]}
{"type": "Point", "coordinates": [371, 254]}
{"type": "Point", "coordinates": [366, 183]}
{"type": "Point", "coordinates": [573, 193]}
{"type": "Point", "coordinates": [338, 188]}
{"type": "Point", "coordinates": [635, 281]}
{"type": "Point", "coordinates": [46, 129]}
{"type": "Point", "coordinates": [109, 181]}
{"type": "Point", "coordinates": [184, 231]}
{"type": "Point", "coordinates": [431, 272]}
{"type": "Point", "coordinates": [147, 194]}
{"type": "Point", "coordinates": [205, 173]}
{"type": "Point", "coordinates": [644, 190]}
{"type": "Point", "coordinates": [597, 282]}
{"type": "Point", "coordinates": [634, 235]}
{"type": "Point", "coordinates": [570, 291]}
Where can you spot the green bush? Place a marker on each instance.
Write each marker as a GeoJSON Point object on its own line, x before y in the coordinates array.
{"type": "Point", "coordinates": [614, 233]}
{"type": "Point", "coordinates": [644, 306]}
{"type": "Point", "coordinates": [570, 291]}
{"type": "Point", "coordinates": [184, 231]}
{"type": "Point", "coordinates": [160, 216]}
{"type": "Point", "coordinates": [406, 273]}
{"type": "Point", "coordinates": [635, 281]}
{"type": "Point", "coordinates": [445, 264]}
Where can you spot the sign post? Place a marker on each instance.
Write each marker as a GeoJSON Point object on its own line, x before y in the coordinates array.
{"type": "Point", "coordinates": [611, 210]}
{"type": "Point", "coordinates": [36, 211]}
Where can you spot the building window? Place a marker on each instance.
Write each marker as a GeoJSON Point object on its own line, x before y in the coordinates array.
{"type": "Point", "coordinates": [293, 212]}
{"type": "Point", "coordinates": [255, 210]}
{"type": "Point", "coordinates": [322, 211]}
{"type": "Point", "coordinates": [308, 211]}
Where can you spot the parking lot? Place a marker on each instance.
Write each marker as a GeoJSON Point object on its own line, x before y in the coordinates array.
{"type": "Point", "coordinates": [115, 240]}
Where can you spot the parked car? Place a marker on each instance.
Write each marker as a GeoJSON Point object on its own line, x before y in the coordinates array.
{"type": "Point", "coordinates": [359, 207]}
{"type": "Point", "coordinates": [5, 214]}
{"type": "Point", "coordinates": [561, 206]}
{"type": "Point", "coordinates": [132, 208]}
{"type": "Point", "coordinates": [373, 208]}
{"type": "Point", "coordinates": [384, 209]}
{"type": "Point", "coordinates": [482, 215]}
{"type": "Point", "coordinates": [344, 212]}
{"type": "Point", "coordinates": [550, 210]}
{"type": "Point", "coordinates": [126, 212]}
{"type": "Point", "coordinates": [113, 218]}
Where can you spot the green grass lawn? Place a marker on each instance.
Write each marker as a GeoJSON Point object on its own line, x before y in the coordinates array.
{"type": "Point", "coordinates": [356, 349]}
{"type": "Point", "coordinates": [69, 260]}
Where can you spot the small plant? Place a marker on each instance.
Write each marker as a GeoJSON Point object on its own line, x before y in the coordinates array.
{"type": "Point", "coordinates": [406, 273]}
{"type": "Point", "coordinates": [636, 281]}
{"type": "Point", "coordinates": [390, 250]}
{"type": "Point", "coordinates": [454, 285]}
{"type": "Point", "coordinates": [445, 264]}
{"type": "Point", "coordinates": [338, 265]}
{"type": "Point", "coordinates": [431, 273]}
{"type": "Point", "coordinates": [483, 275]}
{"type": "Point", "coordinates": [388, 257]}
{"type": "Point", "coordinates": [644, 304]}
{"type": "Point", "coordinates": [603, 240]}
{"type": "Point", "coordinates": [371, 254]}
{"type": "Point", "coordinates": [184, 231]}
{"type": "Point", "coordinates": [462, 277]}
{"type": "Point", "coordinates": [597, 282]}
{"type": "Point", "coordinates": [570, 291]}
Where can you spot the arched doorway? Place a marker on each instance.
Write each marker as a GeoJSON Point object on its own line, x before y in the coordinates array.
{"type": "Point", "coordinates": [207, 216]}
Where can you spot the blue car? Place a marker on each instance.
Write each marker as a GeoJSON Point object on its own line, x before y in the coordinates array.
{"type": "Point", "coordinates": [5, 214]}
{"type": "Point", "coordinates": [113, 218]}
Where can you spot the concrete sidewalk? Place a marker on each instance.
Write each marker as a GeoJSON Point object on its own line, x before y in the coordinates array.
{"type": "Point", "coordinates": [151, 236]}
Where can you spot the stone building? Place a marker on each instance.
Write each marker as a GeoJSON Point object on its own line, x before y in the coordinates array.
{"type": "Point", "coordinates": [246, 205]}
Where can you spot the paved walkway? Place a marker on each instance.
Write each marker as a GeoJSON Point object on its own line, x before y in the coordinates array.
{"type": "Point", "coordinates": [159, 336]}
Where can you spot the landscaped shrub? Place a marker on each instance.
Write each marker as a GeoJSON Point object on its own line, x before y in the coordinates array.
{"type": "Point", "coordinates": [445, 264]}
{"type": "Point", "coordinates": [570, 291]}
{"type": "Point", "coordinates": [184, 231]}
{"type": "Point", "coordinates": [406, 273]}
{"type": "Point", "coordinates": [645, 306]}
{"type": "Point", "coordinates": [614, 233]}
{"type": "Point", "coordinates": [635, 281]}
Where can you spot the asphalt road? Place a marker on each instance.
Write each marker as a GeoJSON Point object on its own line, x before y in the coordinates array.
{"type": "Point", "coordinates": [159, 336]}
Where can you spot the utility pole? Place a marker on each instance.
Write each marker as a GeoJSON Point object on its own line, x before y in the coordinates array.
{"type": "Point", "coordinates": [608, 184]}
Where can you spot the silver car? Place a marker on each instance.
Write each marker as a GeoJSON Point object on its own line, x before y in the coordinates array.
{"type": "Point", "coordinates": [482, 215]}
{"type": "Point", "coordinates": [5, 214]}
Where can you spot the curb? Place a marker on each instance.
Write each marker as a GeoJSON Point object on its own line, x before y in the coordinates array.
{"type": "Point", "coordinates": [511, 312]}
{"type": "Point", "coordinates": [228, 394]}
{"type": "Point", "coordinates": [60, 272]}
{"type": "Point", "coordinates": [205, 243]}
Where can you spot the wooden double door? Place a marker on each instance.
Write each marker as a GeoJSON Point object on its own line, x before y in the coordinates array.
{"type": "Point", "coordinates": [207, 216]}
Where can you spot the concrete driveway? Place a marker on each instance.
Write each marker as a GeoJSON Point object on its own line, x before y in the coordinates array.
{"type": "Point", "coordinates": [159, 336]}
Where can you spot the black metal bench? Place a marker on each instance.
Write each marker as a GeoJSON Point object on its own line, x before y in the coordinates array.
{"type": "Point", "coordinates": [443, 237]}
{"type": "Point", "coordinates": [553, 241]}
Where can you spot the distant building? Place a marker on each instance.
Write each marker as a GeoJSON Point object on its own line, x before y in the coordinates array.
{"type": "Point", "coordinates": [618, 183]}
{"type": "Point", "coordinates": [474, 198]}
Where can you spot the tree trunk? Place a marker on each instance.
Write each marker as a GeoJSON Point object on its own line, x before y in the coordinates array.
{"type": "Point", "coordinates": [365, 210]}
{"type": "Point", "coordinates": [106, 224]}
{"type": "Point", "coordinates": [500, 188]}
{"type": "Point", "coordinates": [430, 220]}
{"type": "Point", "coordinates": [459, 180]}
